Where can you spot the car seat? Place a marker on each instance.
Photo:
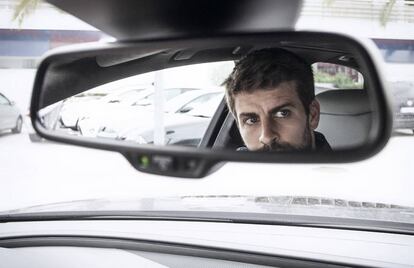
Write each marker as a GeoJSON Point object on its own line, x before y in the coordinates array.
{"type": "Point", "coordinates": [345, 120]}
{"type": "Point", "coordinates": [345, 117]}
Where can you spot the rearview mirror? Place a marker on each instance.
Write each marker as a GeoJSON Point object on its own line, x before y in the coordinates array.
{"type": "Point", "coordinates": [293, 97]}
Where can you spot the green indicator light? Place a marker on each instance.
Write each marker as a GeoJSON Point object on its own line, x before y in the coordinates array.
{"type": "Point", "coordinates": [144, 161]}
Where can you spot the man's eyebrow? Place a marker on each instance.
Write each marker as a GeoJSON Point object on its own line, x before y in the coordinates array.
{"type": "Point", "coordinates": [273, 110]}
{"type": "Point", "coordinates": [281, 106]}
{"type": "Point", "coordinates": [248, 115]}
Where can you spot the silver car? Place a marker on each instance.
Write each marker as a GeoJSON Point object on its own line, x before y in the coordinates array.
{"type": "Point", "coordinates": [10, 117]}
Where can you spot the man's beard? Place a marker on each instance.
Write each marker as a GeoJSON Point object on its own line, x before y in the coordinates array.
{"type": "Point", "coordinates": [305, 145]}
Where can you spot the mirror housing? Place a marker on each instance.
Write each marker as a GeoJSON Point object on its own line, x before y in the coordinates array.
{"type": "Point", "coordinates": [66, 72]}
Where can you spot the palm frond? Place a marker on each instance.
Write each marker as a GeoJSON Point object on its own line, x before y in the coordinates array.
{"type": "Point", "coordinates": [23, 9]}
{"type": "Point", "coordinates": [386, 12]}
{"type": "Point", "coordinates": [328, 2]}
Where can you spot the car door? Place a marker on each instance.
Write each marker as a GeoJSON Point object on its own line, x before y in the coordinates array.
{"type": "Point", "coordinates": [6, 113]}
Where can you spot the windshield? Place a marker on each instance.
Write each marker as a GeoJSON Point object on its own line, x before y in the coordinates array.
{"type": "Point", "coordinates": [202, 105]}
{"type": "Point", "coordinates": [43, 176]}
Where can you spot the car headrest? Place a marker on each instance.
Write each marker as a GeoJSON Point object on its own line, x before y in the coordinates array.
{"type": "Point", "coordinates": [345, 117]}
{"type": "Point", "coordinates": [344, 102]}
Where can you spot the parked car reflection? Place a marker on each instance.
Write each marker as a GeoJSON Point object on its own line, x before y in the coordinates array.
{"type": "Point", "coordinates": [85, 103]}
{"type": "Point", "coordinates": [185, 126]}
{"type": "Point", "coordinates": [403, 104]}
{"type": "Point", "coordinates": [107, 112]}
{"type": "Point", "coordinates": [399, 57]}
{"type": "Point", "coordinates": [10, 117]}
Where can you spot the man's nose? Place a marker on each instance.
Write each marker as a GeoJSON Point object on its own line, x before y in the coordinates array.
{"type": "Point", "coordinates": [269, 133]}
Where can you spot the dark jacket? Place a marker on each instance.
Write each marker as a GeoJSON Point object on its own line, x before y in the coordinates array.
{"type": "Point", "coordinates": [321, 143]}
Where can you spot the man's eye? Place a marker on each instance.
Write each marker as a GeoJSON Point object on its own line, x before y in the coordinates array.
{"type": "Point", "coordinates": [282, 114]}
{"type": "Point", "coordinates": [251, 121]}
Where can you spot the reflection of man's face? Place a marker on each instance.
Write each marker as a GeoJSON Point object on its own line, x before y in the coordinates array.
{"type": "Point", "coordinates": [275, 119]}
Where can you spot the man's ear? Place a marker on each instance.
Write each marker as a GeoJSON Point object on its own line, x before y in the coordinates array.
{"type": "Point", "coordinates": [314, 112]}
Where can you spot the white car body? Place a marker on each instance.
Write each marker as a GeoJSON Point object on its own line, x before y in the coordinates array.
{"type": "Point", "coordinates": [9, 114]}
{"type": "Point", "coordinates": [354, 248]}
{"type": "Point", "coordinates": [107, 124]}
{"type": "Point", "coordinates": [181, 127]}
{"type": "Point", "coordinates": [92, 120]}
{"type": "Point", "coordinates": [76, 107]}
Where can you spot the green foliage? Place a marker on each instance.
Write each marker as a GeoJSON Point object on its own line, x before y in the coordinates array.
{"type": "Point", "coordinates": [24, 8]}
{"type": "Point", "coordinates": [384, 15]}
{"type": "Point", "coordinates": [338, 80]}
{"type": "Point", "coordinates": [328, 2]}
{"type": "Point", "coordinates": [386, 12]}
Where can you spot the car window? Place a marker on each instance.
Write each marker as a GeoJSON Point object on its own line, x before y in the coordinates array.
{"type": "Point", "coordinates": [195, 87]}
{"type": "Point", "coordinates": [127, 96]}
{"type": "Point", "coordinates": [3, 100]}
{"type": "Point", "coordinates": [168, 95]}
{"type": "Point", "coordinates": [329, 76]}
{"type": "Point", "coordinates": [396, 50]}
{"type": "Point", "coordinates": [202, 106]}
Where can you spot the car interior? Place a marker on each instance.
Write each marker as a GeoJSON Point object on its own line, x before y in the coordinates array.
{"type": "Point", "coordinates": [348, 108]}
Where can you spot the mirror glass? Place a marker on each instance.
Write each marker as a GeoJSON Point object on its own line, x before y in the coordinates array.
{"type": "Point", "coordinates": [170, 97]}
{"type": "Point", "coordinates": [172, 106]}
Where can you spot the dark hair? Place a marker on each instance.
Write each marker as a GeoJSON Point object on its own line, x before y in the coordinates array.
{"type": "Point", "coordinates": [266, 69]}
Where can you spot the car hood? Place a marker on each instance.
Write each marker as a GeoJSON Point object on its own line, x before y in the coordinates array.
{"type": "Point", "coordinates": [289, 205]}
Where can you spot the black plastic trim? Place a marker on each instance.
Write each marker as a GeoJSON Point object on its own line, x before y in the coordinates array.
{"type": "Point", "coordinates": [323, 222]}
{"type": "Point", "coordinates": [206, 160]}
